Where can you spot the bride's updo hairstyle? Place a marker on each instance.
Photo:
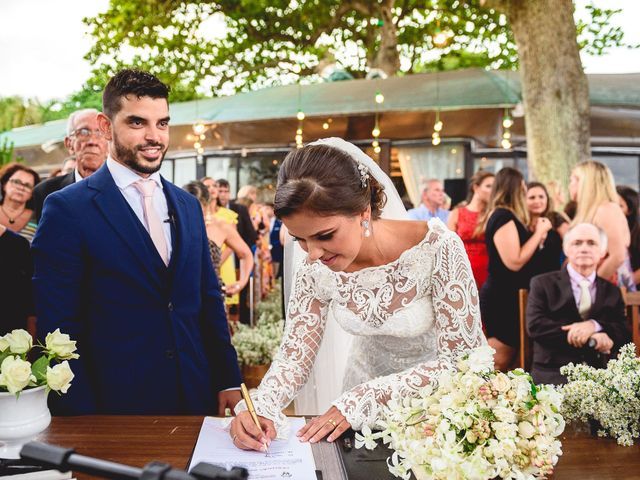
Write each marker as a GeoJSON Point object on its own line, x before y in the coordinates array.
{"type": "Point", "coordinates": [327, 181]}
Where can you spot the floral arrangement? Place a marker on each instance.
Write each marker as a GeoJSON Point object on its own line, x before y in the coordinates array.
{"type": "Point", "coordinates": [608, 396]}
{"type": "Point", "coordinates": [258, 345]}
{"type": "Point", "coordinates": [18, 373]}
{"type": "Point", "coordinates": [476, 424]}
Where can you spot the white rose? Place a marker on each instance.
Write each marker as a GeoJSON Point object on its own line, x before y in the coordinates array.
{"type": "Point", "coordinates": [501, 382]}
{"type": "Point", "coordinates": [15, 373]}
{"type": "Point", "coordinates": [61, 345]}
{"type": "Point", "coordinates": [504, 431]}
{"type": "Point", "coordinates": [59, 377]}
{"type": "Point", "coordinates": [481, 359]}
{"type": "Point", "coordinates": [505, 414]}
{"type": "Point", "coordinates": [526, 430]}
{"type": "Point", "coordinates": [3, 344]}
{"type": "Point", "coordinates": [19, 341]}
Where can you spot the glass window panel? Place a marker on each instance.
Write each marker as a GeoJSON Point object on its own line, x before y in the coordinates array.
{"type": "Point", "coordinates": [261, 171]}
{"type": "Point", "coordinates": [623, 167]}
{"type": "Point", "coordinates": [166, 170]}
{"type": "Point", "coordinates": [185, 171]}
{"type": "Point", "coordinates": [222, 167]}
{"type": "Point", "coordinates": [420, 163]}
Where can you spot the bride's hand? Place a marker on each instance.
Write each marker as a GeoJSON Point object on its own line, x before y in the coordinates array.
{"type": "Point", "coordinates": [332, 422]}
{"type": "Point", "coordinates": [247, 436]}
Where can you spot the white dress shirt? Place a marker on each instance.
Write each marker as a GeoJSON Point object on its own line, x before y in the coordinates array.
{"type": "Point", "coordinates": [125, 178]}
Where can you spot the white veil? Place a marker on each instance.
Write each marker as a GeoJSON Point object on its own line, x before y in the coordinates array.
{"type": "Point", "coordinates": [325, 381]}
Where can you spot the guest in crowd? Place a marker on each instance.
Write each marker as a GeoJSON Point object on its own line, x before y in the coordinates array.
{"type": "Point", "coordinates": [572, 307]}
{"type": "Point", "coordinates": [222, 234]}
{"type": "Point", "coordinates": [16, 308]}
{"type": "Point", "coordinates": [467, 222]}
{"type": "Point", "coordinates": [216, 210]}
{"type": "Point", "coordinates": [510, 246]}
{"type": "Point", "coordinates": [17, 183]}
{"type": "Point", "coordinates": [277, 249]}
{"type": "Point", "coordinates": [431, 202]}
{"type": "Point", "coordinates": [87, 144]}
{"type": "Point", "coordinates": [248, 233]}
{"type": "Point", "coordinates": [539, 205]}
{"type": "Point", "coordinates": [592, 186]}
{"type": "Point", "coordinates": [68, 165]}
{"type": "Point", "coordinates": [122, 265]}
{"type": "Point", "coordinates": [628, 200]}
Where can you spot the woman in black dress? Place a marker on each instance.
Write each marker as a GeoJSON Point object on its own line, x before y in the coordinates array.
{"type": "Point", "coordinates": [510, 246]}
{"type": "Point", "coordinates": [15, 295]}
{"type": "Point", "coordinates": [548, 257]}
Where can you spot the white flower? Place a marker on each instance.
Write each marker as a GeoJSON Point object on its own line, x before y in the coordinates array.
{"type": "Point", "coordinates": [526, 430]}
{"type": "Point", "coordinates": [481, 359]}
{"type": "Point", "coordinates": [59, 377]}
{"type": "Point", "coordinates": [3, 344]}
{"type": "Point", "coordinates": [368, 439]}
{"type": "Point", "coordinates": [19, 341]}
{"type": "Point", "coordinates": [501, 382]}
{"type": "Point", "coordinates": [61, 345]}
{"type": "Point", "coordinates": [15, 374]}
{"type": "Point", "coordinates": [504, 430]}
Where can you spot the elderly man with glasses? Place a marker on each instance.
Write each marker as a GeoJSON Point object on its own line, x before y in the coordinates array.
{"type": "Point", "coordinates": [86, 143]}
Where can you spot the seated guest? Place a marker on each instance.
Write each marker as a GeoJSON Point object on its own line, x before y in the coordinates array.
{"type": "Point", "coordinates": [572, 314]}
{"type": "Point", "coordinates": [432, 203]}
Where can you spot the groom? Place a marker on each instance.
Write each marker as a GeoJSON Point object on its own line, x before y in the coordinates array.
{"type": "Point", "coordinates": [122, 265]}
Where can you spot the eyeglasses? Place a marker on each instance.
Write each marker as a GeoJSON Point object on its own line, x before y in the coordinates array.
{"type": "Point", "coordinates": [84, 133]}
{"type": "Point", "coordinates": [19, 183]}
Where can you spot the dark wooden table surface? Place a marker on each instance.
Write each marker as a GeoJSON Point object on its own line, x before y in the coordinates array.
{"type": "Point", "coordinates": [136, 440]}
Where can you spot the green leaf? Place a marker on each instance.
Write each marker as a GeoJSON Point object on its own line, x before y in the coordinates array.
{"type": "Point", "coordinates": [39, 369]}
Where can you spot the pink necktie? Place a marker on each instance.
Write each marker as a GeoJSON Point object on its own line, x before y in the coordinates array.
{"type": "Point", "coordinates": [154, 225]}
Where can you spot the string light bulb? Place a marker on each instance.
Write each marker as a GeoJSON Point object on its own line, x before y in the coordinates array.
{"type": "Point", "coordinates": [507, 121]}
{"type": "Point", "coordinates": [375, 132]}
{"type": "Point", "coordinates": [506, 144]}
{"type": "Point", "coordinates": [379, 98]}
{"type": "Point", "coordinates": [199, 128]}
{"type": "Point", "coordinates": [300, 115]}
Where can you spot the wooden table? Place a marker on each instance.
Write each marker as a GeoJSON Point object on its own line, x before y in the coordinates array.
{"type": "Point", "coordinates": [136, 440]}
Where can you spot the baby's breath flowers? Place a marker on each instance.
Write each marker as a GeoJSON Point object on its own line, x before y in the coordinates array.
{"type": "Point", "coordinates": [476, 423]}
{"type": "Point", "coordinates": [609, 396]}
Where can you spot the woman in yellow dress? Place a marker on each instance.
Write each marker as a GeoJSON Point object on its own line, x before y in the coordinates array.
{"type": "Point", "coordinates": [214, 210]}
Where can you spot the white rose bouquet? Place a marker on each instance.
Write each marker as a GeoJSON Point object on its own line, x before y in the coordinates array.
{"type": "Point", "coordinates": [51, 369]}
{"type": "Point", "coordinates": [475, 424]}
{"type": "Point", "coordinates": [609, 396]}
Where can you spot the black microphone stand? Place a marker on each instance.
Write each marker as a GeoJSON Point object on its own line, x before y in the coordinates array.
{"type": "Point", "coordinates": [65, 459]}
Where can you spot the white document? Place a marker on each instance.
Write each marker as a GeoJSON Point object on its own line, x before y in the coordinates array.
{"type": "Point", "coordinates": [288, 459]}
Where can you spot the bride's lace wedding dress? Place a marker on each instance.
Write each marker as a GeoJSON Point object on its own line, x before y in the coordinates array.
{"type": "Point", "coordinates": [409, 319]}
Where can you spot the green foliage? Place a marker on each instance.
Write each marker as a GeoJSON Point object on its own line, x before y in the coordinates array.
{"type": "Point", "coordinates": [229, 45]}
{"type": "Point", "coordinates": [16, 111]}
{"type": "Point", "coordinates": [6, 153]}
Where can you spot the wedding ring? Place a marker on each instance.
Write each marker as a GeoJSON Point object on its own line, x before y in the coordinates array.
{"type": "Point", "coordinates": [332, 422]}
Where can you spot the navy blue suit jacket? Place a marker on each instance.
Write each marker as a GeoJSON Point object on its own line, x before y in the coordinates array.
{"type": "Point", "coordinates": [151, 339]}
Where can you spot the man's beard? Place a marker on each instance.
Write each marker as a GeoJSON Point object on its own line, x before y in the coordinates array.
{"type": "Point", "coordinates": [129, 157]}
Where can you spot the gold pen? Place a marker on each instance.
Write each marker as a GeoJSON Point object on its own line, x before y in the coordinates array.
{"type": "Point", "coordinates": [247, 399]}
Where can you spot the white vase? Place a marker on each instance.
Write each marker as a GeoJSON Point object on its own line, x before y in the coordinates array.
{"type": "Point", "coordinates": [21, 419]}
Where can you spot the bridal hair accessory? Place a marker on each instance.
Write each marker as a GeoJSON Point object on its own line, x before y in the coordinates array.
{"type": "Point", "coordinates": [367, 232]}
{"type": "Point", "coordinates": [364, 174]}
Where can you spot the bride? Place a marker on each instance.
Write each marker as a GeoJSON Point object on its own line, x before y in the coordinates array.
{"type": "Point", "coordinates": [402, 289]}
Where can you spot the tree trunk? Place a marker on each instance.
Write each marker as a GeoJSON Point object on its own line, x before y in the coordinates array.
{"type": "Point", "coordinates": [554, 87]}
{"type": "Point", "coordinates": [387, 57]}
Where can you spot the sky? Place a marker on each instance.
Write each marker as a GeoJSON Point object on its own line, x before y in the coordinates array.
{"type": "Point", "coordinates": [42, 44]}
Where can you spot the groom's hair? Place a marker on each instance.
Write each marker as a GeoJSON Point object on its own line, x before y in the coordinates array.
{"type": "Point", "coordinates": [325, 180]}
{"type": "Point", "coordinates": [131, 82]}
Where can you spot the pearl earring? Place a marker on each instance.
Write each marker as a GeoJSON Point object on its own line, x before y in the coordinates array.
{"type": "Point", "coordinates": [367, 232]}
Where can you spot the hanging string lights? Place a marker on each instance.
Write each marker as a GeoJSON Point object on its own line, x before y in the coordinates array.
{"type": "Point", "coordinates": [199, 135]}
{"type": "Point", "coordinates": [438, 124]}
{"type": "Point", "coordinates": [300, 117]}
{"type": "Point", "coordinates": [507, 123]}
{"type": "Point", "coordinates": [379, 100]}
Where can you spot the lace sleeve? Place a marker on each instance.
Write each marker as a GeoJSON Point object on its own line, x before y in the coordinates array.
{"type": "Point", "coordinates": [300, 343]}
{"type": "Point", "coordinates": [458, 329]}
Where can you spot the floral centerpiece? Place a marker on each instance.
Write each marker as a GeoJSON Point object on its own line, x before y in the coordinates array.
{"type": "Point", "coordinates": [608, 396]}
{"type": "Point", "coordinates": [24, 386]}
{"type": "Point", "coordinates": [18, 373]}
{"type": "Point", "coordinates": [475, 424]}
